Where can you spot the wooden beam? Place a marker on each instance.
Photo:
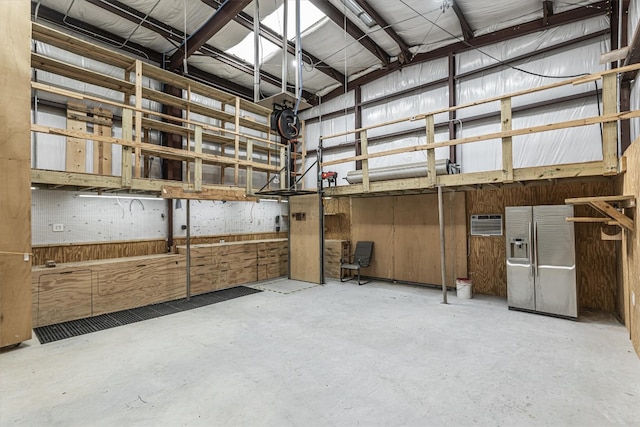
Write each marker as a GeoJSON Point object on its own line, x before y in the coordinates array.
{"type": "Point", "coordinates": [507, 141]}
{"type": "Point", "coordinates": [225, 194]}
{"type": "Point", "coordinates": [197, 172]}
{"type": "Point", "coordinates": [608, 199]}
{"type": "Point", "coordinates": [610, 129]}
{"type": "Point", "coordinates": [127, 151]}
{"type": "Point", "coordinates": [215, 23]}
{"type": "Point", "coordinates": [352, 29]}
{"type": "Point", "coordinates": [364, 147]}
{"type": "Point", "coordinates": [431, 152]}
{"type": "Point", "coordinates": [467, 32]}
{"type": "Point", "coordinates": [607, 221]}
{"type": "Point", "coordinates": [405, 54]}
{"type": "Point", "coordinates": [612, 212]}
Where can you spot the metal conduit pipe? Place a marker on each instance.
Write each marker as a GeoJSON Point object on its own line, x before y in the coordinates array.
{"type": "Point", "coordinates": [411, 170]}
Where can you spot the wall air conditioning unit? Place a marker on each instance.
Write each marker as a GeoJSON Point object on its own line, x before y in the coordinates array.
{"type": "Point", "coordinates": [486, 225]}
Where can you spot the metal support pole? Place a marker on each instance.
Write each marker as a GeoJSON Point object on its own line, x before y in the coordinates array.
{"type": "Point", "coordinates": [442, 259]}
{"type": "Point", "coordinates": [321, 211]}
{"type": "Point", "coordinates": [256, 52]}
{"type": "Point", "coordinates": [297, 50]}
{"type": "Point", "coordinates": [285, 46]}
{"type": "Point", "coordinates": [188, 249]}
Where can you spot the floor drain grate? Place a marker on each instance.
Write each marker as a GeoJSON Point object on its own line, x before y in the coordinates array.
{"type": "Point", "coordinates": [73, 328]}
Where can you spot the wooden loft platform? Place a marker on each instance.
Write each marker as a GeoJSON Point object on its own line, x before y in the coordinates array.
{"type": "Point", "coordinates": [610, 165]}
{"type": "Point", "coordinates": [219, 132]}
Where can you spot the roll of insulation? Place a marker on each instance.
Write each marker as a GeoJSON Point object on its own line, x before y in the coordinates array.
{"type": "Point", "coordinates": [411, 170]}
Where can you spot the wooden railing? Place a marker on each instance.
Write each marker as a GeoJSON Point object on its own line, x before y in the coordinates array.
{"type": "Point", "coordinates": [223, 130]}
{"type": "Point", "coordinates": [608, 166]}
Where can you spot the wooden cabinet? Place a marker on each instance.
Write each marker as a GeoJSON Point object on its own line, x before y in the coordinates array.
{"type": "Point", "coordinates": [63, 296]}
{"type": "Point", "coordinates": [334, 251]}
{"type": "Point", "coordinates": [83, 289]}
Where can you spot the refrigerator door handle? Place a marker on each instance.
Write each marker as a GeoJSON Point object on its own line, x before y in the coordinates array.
{"type": "Point", "coordinates": [531, 271]}
{"type": "Point", "coordinates": [535, 247]}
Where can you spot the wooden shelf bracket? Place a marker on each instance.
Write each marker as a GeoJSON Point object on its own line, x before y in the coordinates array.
{"type": "Point", "coordinates": [610, 206]}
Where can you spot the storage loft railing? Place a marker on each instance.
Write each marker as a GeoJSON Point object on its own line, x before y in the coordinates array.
{"type": "Point", "coordinates": [609, 119]}
{"type": "Point", "coordinates": [212, 127]}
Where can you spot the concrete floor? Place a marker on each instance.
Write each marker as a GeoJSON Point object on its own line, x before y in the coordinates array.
{"type": "Point", "coordinates": [334, 355]}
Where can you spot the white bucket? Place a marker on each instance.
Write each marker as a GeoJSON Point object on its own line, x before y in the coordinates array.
{"type": "Point", "coordinates": [464, 288]}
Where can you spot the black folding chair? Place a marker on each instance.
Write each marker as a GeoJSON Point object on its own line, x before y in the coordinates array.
{"type": "Point", "coordinates": [360, 259]}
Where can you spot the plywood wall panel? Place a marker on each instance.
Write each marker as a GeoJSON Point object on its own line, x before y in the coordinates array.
{"type": "Point", "coordinates": [304, 238]}
{"type": "Point", "coordinates": [78, 252]}
{"type": "Point", "coordinates": [630, 261]}
{"type": "Point", "coordinates": [372, 220]}
{"type": "Point", "coordinates": [15, 165]}
{"type": "Point", "coordinates": [337, 225]}
{"type": "Point", "coordinates": [595, 258]}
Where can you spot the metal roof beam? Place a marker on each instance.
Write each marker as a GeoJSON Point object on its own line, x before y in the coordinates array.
{"type": "Point", "coordinates": [467, 32]}
{"type": "Point", "coordinates": [558, 19]}
{"type": "Point", "coordinates": [406, 54]}
{"type": "Point", "coordinates": [225, 13]}
{"type": "Point", "coordinates": [547, 12]}
{"type": "Point", "coordinates": [633, 57]}
{"type": "Point", "coordinates": [352, 29]}
{"type": "Point", "coordinates": [246, 21]}
{"type": "Point", "coordinates": [175, 35]}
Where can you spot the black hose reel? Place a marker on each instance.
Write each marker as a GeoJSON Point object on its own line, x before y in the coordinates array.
{"type": "Point", "coordinates": [285, 122]}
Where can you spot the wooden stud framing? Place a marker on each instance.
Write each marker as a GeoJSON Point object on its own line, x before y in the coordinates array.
{"type": "Point", "coordinates": [138, 127]}
{"type": "Point", "coordinates": [249, 168]}
{"type": "Point", "coordinates": [102, 162]}
{"type": "Point", "coordinates": [283, 169]}
{"type": "Point", "coordinates": [236, 170]}
{"type": "Point", "coordinates": [364, 147]}
{"type": "Point", "coordinates": [610, 129]}
{"type": "Point", "coordinates": [197, 180]}
{"type": "Point", "coordinates": [507, 141]}
{"type": "Point", "coordinates": [76, 153]}
{"type": "Point", "coordinates": [431, 152]}
{"type": "Point", "coordinates": [127, 134]}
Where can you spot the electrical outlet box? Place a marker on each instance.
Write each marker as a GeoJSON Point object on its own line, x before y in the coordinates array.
{"type": "Point", "coordinates": [58, 227]}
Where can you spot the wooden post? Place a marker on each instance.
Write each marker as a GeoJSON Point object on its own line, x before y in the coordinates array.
{"type": "Point", "coordinates": [364, 149]}
{"type": "Point", "coordinates": [610, 130]}
{"type": "Point", "coordinates": [249, 168]}
{"type": "Point", "coordinates": [507, 142]}
{"type": "Point", "coordinates": [198, 162]}
{"type": "Point", "coordinates": [127, 134]}
{"type": "Point", "coordinates": [431, 152]}
{"type": "Point", "coordinates": [15, 168]}
{"type": "Point", "coordinates": [102, 150]}
{"type": "Point", "coordinates": [76, 151]}
{"type": "Point", "coordinates": [138, 150]}
{"type": "Point", "coordinates": [236, 171]}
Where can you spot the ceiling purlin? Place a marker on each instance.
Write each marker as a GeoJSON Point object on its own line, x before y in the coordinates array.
{"type": "Point", "coordinates": [467, 32]}
{"type": "Point", "coordinates": [352, 29]}
{"type": "Point", "coordinates": [406, 54]}
{"type": "Point", "coordinates": [225, 13]}
{"type": "Point", "coordinates": [558, 19]}
{"type": "Point", "coordinates": [173, 34]}
{"type": "Point", "coordinates": [246, 21]}
{"type": "Point", "coordinates": [547, 11]}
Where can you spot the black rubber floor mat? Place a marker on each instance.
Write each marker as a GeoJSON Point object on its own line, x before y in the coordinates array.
{"type": "Point", "coordinates": [73, 328]}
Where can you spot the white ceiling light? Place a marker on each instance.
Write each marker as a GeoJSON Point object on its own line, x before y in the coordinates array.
{"type": "Point", "coordinates": [359, 12]}
{"type": "Point", "coordinates": [116, 196]}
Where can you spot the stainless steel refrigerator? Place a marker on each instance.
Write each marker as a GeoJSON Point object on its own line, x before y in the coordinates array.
{"type": "Point", "coordinates": [541, 267]}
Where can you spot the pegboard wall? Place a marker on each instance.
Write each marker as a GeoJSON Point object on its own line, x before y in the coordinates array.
{"type": "Point", "coordinates": [216, 217]}
{"type": "Point", "coordinates": [94, 219]}
{"type": "Point", "coordinates": [109, 219]}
